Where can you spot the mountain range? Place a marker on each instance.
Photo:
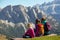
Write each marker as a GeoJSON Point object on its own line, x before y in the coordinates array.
{"type": "Point", "coordinates": [13, 19]}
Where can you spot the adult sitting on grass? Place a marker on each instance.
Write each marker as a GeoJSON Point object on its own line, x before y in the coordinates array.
{"type": "Point", "coordinates": [30, 32]}
{"type": "Point", "coordinates": [47, 26]}
{"type": "Point", "coordinates": [39, 28]}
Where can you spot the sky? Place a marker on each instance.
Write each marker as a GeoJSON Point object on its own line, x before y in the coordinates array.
{"type": "Point", "coordinates": [4, 3]}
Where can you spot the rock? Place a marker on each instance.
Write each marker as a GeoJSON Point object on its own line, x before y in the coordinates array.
{"type": "Point", "coordinates": [17, 39]}
{"type": "Point", "coordinates": [20, 30]}
{"type": "Point", "coordinates": [52, 35]}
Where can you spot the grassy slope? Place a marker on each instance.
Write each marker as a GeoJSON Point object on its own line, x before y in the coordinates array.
{"type": "Point", "coordinates": [46, 38]}
{"type": "Point", "coordinates": [3, 37]}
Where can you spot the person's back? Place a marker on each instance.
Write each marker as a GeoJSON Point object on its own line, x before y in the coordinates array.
{"type": "Point", "coordinates": [30, 32]}
{"type": "Point", "coordinates": [39, 29]}
{"type": "Point", "coordinates": [47, 27]}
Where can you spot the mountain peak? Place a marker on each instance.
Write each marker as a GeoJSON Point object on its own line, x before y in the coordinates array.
{"type": "Point", "coordinates": [20, 12]}
{"type": "Point", "coordinates": [56, 1]}
{"type": "Point", "coordinates": [18, 6]}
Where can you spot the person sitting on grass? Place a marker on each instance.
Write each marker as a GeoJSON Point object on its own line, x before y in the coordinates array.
{"type": "Point", "coordinates": [39, 28]}
{"type": "Point", "coordinates": [30, 32]}
{"type": "Point", "coordinates": [47, 26]}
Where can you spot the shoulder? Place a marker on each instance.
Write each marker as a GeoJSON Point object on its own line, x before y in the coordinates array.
{"type": "Point", "coordinates": [47, 23]}
{"type": "Point", "coordinates": [30, 28]}
{"type": "Point", "coordinates": [41, 25]}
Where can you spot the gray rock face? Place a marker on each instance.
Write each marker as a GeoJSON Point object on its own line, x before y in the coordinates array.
{"type": "Point", "coordinates": [20, 13]}
{"type": "Point", "coordinates": [0, 9]}
{"type": "Point", "coordinates": [12, 30]}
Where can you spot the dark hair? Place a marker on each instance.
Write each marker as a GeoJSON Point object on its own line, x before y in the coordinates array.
{"type": "Point", "coordinates": [37, 20]}
{"type": "Point", "coordinates": [43, 18]}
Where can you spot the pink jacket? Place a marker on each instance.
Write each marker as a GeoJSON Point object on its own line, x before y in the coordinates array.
{"type": "Point", "coordinates": [30, 32]}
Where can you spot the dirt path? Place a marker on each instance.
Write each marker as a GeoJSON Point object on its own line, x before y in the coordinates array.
{"type": "Point", "coordinates": [52, 35]}
{"type": "Point", "coordinates": [18, 39]}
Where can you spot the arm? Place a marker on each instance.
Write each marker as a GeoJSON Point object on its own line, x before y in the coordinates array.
{"type": "Point", "coordinates": [33, 34]}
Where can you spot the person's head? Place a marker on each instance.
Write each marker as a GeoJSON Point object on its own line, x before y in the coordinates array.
{"type": "Point", "coordinates": [29, 25]}
{"type": "Point", "coordinates": [43, 18]}
{"type": "Point", "coordinates": [38, 21]}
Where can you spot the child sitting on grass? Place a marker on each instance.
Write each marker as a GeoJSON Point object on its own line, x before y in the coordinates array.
{"type": "Point", "coordinates": [30, 32]}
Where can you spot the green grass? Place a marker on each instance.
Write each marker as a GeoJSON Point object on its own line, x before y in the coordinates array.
{"type": "Point", "coordinates": [45, 38]}
{"type": "Point", "coordinates": [3, 37]}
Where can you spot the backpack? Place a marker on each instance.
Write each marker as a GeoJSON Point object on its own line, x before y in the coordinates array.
{"type": "Point", "coordinates": [47, 27]}
{"type": "Point", "coordinates": [40, 29]}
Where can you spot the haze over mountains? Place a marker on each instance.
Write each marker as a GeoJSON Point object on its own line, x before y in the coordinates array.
{"type": "Point", "coordinates": [13, 19]}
